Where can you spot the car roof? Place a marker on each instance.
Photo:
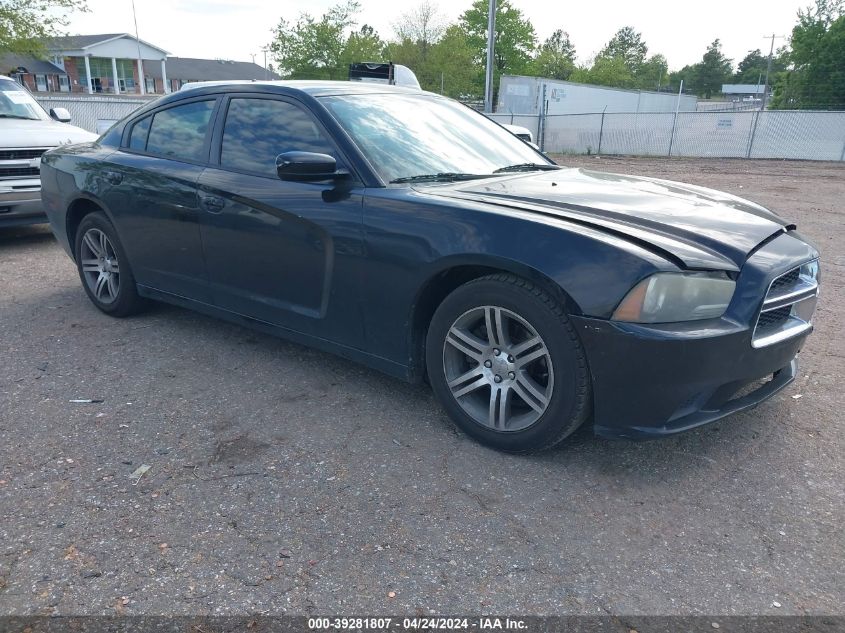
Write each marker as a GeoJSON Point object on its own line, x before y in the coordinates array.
{"type": "Point", "coordinates": [311, 87]}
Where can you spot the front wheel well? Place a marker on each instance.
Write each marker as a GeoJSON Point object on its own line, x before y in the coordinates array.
{"type": "Point", "coordinates": [441, 285]}
{"type": "Point", "coordinates": [78, 210]}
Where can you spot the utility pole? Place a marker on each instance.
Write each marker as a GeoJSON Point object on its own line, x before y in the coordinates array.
{"type": "Point", "coordinates": [141, 82]}
{"type": "Point", "coordinates": [768, 70]}
{"type": "Point", "coordinates": [253, 57]}
{"type": "Point", "coordinates": [266, 72]}
{"type": "Point", "coordinates": [491, 39]}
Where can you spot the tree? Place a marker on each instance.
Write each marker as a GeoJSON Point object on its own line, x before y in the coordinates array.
{"type": "Point", "coordinates": [556, 57]}
{"type": "Point", "coordinates": [817, 77]}
{"type": "Point", "coordinates": [314, 49]}
{"type": "Point", "coordinates": [627, 45]}
{"type": "Point", "coordinates": [515, 39]}
{"type": "Point", "coordinates": [422, 25]}
{"type": "Point", "coordinates": [606, 71]}
{"type": "Point", "coordinates": [753, 67]}
{"type": "Point", "coordinates": [653, 73]}
{"type": "Point", "coordinates": [25, 25]}
{"type": "Point", "coordinates": [451, 64]}
{"type": "Point", "coordinates": [363, 45]}
{"type": "Point", "coordinates": [712, 71]}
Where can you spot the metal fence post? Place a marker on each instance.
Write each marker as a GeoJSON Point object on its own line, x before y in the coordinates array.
{"type": "Point", "coordinates": [541, 132]}
{"type": "Point", "coordinates": [675, 120]}
{"type": "Point", "coordinates": [753, 133]}
{"type": "Point", "coordinates": [842, 157]}
{"type": "Point", "coordinates": [601, 130]}
{"type": "Point", "coordinates": [672, 137]}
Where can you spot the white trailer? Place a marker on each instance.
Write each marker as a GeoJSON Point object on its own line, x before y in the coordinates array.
{"type": "Point", "coordinates": [523, 95]}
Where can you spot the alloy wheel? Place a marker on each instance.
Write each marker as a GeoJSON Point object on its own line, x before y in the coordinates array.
{"type": "Point", "coordinates": [498, 368]}
{"type": "Point", "coordinates": [100, 266]}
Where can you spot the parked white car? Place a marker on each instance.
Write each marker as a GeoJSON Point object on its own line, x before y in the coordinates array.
{"type": "Point", "coordinates": [26, 132]}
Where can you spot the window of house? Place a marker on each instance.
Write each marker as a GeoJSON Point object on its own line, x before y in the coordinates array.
{"type": "Point", "coordinates": [258, 130]}
{"type": "Point", "coordinates": [64, 84]}
{"type": "Point", "coordinates": [180, 132]}
{"type": "Point", "coordinates": [41, 83]}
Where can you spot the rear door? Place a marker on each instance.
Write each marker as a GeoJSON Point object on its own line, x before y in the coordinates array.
{"type": "Point", "coordinates": [150, 187]}
{"type": "Point", "coordinates": [285, 253]}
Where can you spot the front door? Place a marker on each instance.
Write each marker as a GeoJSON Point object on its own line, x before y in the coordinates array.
{"type": "Point", "coordinates": [284, 253]}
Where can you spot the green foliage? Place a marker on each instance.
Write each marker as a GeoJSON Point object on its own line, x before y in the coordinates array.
{"type": "Point", "coordinates": [556, 57]}
{"type": "Point", "coordinates": [315, 48]}
{"type": "Point", "coordinates": [623, 63]}
{"type": "Point", "coordinates": [363, 45]}
{"type": "Point", "coordinates": [653, 73]}
{"type": "Point", "coordinates": [452, 60]}
{"type": "Point", "coordinates": [25, 25]}
{"type": "Point", "coordinates": [817, 77]}
{"type": "Point", "coordinates": [753, 67]}
{"type": "Point", "coordinates": [627, 46]}
{"type": "Point", "coordinates": [712, 71]}
{"type": "Point", "coordinates": [515, 39]}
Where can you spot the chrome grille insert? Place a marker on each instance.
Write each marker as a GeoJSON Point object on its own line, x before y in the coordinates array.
{"type": "Point", "coordinates": [789, 305]}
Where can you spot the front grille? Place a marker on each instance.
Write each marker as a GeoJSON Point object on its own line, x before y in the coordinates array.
{"type": "Point", "coordinates": [20, 154]}
{"type": "Point", "coordinates": [19, 172]}
{"type": "Point", "coordinates": [789, 305]}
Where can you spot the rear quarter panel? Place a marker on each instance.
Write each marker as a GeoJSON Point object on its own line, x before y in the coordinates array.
{"type": "Point", "coordinates": [68, 174]}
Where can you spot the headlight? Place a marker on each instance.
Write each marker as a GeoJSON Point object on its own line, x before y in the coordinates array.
{"type": "Point", "coordinates": [672, 297]}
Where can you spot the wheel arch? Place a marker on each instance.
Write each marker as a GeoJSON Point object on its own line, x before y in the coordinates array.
{"type": "Point", "coordinates": [454, 273]}
{"type": "Point", "coordinates": [76, 211]}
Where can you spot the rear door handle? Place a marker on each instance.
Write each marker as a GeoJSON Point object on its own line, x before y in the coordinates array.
{"type": "Point", "coordinates": [212, 204]}
{"type": "Point", "coordinates": [113, 177]}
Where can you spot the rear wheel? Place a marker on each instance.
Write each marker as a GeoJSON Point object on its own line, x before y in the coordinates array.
{"type": "Point", "coordinates": [506, 364]}
{"type": "Point", "coordinates": [104, 268]}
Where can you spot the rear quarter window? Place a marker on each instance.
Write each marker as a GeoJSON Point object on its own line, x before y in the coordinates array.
{"type": "Point", "coordinates": [180, 132]}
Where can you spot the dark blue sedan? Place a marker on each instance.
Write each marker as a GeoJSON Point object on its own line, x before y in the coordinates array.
{"type": "Point", "coordinates": [407, 232]}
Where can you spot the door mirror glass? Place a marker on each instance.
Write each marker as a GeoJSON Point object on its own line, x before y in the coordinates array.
{"type": "Point", "coordinates": [305, 166]}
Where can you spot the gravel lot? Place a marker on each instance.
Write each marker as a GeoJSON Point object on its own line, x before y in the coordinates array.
{"type": "Point", "coordinates": [284, 480]}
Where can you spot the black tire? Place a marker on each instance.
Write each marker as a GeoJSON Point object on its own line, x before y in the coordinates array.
{"type": "Point", "coordinates": [568, 392]}
{"type": "Point", "coordinates": [126, 300]}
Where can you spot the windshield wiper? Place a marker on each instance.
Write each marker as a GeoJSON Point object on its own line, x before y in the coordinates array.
{"type": "Point", "coordinates": [527, 167]}
{"type": "Point", "coordinates": [16, 116]}
{"type": "Point", "coordinates": [445, 176]}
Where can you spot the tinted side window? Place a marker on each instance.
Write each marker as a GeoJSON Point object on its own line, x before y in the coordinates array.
{"type": "Point", "coordinates": [138, 138]}
{"type": "Point", "coordinates": [180, 132]}
{"type": "Point", "coordinates": [258, 130]}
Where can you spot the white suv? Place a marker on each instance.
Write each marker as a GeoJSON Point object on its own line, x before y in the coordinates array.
{"type": "Point", "coordinates": [26, 132]}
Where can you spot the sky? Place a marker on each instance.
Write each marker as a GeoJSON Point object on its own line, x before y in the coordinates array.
{"type": "Point", "coordinates": [237, 29]}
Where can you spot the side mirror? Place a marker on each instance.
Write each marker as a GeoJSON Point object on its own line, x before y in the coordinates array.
{"type": "Point", "coordinates": [307, 166]}
{"type": "Point", "coordinates": [60, 114]}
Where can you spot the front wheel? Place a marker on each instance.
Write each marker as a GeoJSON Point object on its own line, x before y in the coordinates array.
{"type": "Point", "coordinates": [507, 365]}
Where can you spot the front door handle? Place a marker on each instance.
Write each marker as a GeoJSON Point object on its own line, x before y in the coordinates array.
{"type": "Point", "coordinates": [212, 204]}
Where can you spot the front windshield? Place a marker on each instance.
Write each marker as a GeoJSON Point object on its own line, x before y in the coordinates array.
{"type": "Point", "coordinates": [405, 135]}
{"type": "Point", "coordinates": [17, 103]}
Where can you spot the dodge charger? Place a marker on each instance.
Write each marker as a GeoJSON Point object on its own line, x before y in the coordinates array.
{"type": "Point", "coordinates": [405, 231]}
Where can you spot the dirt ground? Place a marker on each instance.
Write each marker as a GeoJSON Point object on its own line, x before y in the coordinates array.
{"type": "Point", "coordinates": [285, 480]}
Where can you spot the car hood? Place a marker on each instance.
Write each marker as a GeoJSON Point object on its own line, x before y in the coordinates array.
{"type": "Point", "coordinates": [703, 228]}
{"type": "Point", "coordinates": [40, 133]}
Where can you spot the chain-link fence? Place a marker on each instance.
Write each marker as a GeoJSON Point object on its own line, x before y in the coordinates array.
{"type": "Point", "coordinates": [807, 135]}
{"type": "Point", "coordinates": [94, 113]}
